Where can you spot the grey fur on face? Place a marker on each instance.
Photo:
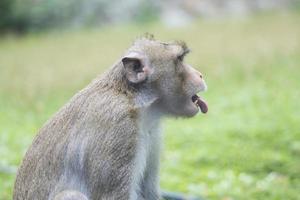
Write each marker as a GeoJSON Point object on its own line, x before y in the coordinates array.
{"type": "Point", "coordinates": [105, 142]}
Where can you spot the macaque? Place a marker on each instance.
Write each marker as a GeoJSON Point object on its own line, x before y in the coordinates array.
{"type": "Point", "coordinates": [104, 144]}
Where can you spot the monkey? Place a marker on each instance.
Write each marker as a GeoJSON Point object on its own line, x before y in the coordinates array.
{"type": "Point", "coordinates": [104, 144]}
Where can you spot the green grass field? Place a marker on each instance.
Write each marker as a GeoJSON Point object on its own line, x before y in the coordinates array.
{"type": "Point", "coordinates": [247, 146]}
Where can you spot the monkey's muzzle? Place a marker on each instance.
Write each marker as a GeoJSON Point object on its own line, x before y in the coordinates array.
{"type": "Point", "coordinates": [200, 103]}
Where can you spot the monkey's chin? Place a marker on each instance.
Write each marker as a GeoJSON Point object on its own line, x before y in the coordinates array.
{"type": "Point", "coordinates": [190, 110]}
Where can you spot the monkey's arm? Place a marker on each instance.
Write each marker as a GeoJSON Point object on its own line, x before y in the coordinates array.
{"type": "Point", "coordinates": [150, 190]}
{"type": "Point", "coordinates": [150, 183]}
{"type": "Point", "coordinates": [177, 196]}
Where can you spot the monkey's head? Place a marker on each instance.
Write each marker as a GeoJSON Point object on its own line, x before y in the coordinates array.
{"type": "Point", "coordinates": [161, 78]}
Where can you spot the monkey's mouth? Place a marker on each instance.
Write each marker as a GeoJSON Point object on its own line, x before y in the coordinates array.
{"type": "Point", "coordinates": [199, 102]}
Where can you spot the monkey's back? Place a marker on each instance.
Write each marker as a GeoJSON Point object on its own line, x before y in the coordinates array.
{"type": "Point", "coordinates": [69, 151]}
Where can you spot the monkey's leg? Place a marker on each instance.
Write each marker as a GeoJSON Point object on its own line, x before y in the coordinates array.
{"type": "Point", "coordinates": [70, 195]}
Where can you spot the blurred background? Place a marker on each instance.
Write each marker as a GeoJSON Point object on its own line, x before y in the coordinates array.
{"type": "Point", "coordinates": [246, 147]}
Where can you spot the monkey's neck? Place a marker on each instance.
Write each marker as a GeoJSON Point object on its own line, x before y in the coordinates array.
{"type": "Point", "coordinates": [149, 117]}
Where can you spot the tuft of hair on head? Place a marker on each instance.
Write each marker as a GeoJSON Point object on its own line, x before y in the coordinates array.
{"type": "Point", "coordinates": [148, 36]}
{"type": "Point", "coordinates": [183, 45]}
{"type": "Point", "coordinates": [145, 36]}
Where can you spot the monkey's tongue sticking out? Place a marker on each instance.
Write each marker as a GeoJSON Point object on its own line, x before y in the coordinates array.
{"type": "Point", "coordinates": [200, 103]}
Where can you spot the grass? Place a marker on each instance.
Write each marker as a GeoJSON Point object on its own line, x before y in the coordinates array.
{"type": "Point", "coordinates": [246, 147]}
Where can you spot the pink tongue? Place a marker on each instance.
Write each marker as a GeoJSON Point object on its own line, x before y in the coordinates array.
{"type": "Point", "coordinates": [202, 104]}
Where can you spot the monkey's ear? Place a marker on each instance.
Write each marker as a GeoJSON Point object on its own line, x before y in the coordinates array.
{"type": "Point", "coordinates": [135, 69]}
